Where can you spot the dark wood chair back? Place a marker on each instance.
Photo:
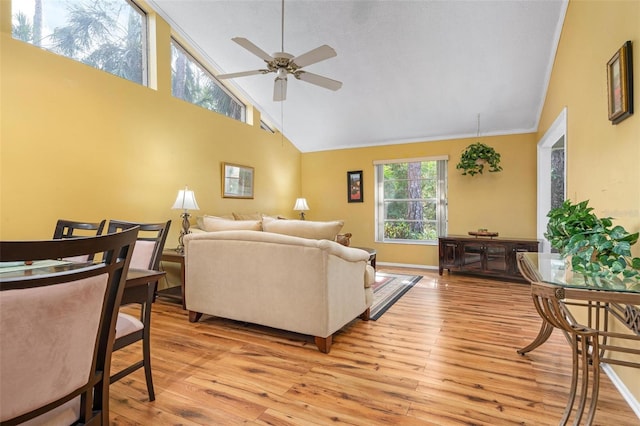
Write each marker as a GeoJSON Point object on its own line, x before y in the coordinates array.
{"type": "Point", "coordinates": [57, 327]}
{"type": "Point", "coordinates": [151, 240]}
{"type": "Point", "coordinates": [129, 328]}
{"type": "Point", "coordinates": [74, 229]}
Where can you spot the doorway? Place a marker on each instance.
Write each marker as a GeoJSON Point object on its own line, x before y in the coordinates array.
{"type": "Point", "coordinates": [552, 174]}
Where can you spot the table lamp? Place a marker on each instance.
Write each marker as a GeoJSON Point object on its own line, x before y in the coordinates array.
{"type": "Point", "coordinates": [301, 206]}
{"type": "Point", "coordinates": [186, 200]}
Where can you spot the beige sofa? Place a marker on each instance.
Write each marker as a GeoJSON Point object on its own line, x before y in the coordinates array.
{"type": "Point", "coordinates": [305, 285]}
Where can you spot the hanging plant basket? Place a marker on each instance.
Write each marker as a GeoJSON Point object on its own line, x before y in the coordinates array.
{"type": "Point", "coordinates": [476, 157]}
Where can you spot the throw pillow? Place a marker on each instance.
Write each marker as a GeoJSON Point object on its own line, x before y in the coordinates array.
{"type": "Point", "coordinates": [344, 239]}
{"type": "Point", "coordinates": [249, 216]}
{"type": "Point", "coordinates": [274, 217]}
{"type": "Point", "coordinates": [303, 228]}
{"type": "Point", "coordinates": [200, 219]}
{"type": "Point", "coordinates": [212, 224]}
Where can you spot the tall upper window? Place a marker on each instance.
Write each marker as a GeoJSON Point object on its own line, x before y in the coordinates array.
{"type": "Point", "coordinates": [411, 200]}
{"type": "Point", "coordinates": [191, 82]}
{"type": "Point", "coordinates": [110, 35]}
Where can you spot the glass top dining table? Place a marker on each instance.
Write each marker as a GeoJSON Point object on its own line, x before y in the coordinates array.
{"type": "Point", "coordinates": [135, 277]}
{"type": "Point", "coordinates": [553, 269]}
{"type": "Point", "coordinates": [605, 308]}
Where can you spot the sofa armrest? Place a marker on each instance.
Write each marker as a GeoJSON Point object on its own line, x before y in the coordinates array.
{"type": "Point", "coordinates": [350, 254]}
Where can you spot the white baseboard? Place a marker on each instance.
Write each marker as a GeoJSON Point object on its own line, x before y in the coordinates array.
{"type": "Point", "coordinates": [622, 388]}
{"type": "Point", "coordinates": [407, 265]}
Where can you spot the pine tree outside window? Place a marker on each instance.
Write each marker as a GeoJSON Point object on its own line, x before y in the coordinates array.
{"type": "Point", "coordinates": [411, 200]}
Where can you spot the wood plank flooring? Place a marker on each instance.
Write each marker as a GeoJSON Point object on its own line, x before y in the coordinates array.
{"type": "Point", "coordinates": [444, 354]}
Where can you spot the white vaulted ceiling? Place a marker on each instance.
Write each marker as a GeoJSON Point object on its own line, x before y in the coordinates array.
{"type": "Point", "coordinates": [411, 70]}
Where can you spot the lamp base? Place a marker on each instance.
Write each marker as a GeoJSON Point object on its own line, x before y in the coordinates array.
{"type": "Point", "coordinates": [302, 216]}
{"type": "Point", "coordinates": [184, 231]}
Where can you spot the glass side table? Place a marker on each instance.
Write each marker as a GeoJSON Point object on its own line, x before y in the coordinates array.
{"type": "Point", "coordinates": [555, 289]}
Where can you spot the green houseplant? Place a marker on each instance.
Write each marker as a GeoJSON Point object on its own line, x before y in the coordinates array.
{"type": "Point", "coordinates": [598, 250]}
{"type": "Point", "coordinates": [476, 156]}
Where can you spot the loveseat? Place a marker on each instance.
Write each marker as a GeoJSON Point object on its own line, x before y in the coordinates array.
{"type": "Point", "coordinates": [271, 277]}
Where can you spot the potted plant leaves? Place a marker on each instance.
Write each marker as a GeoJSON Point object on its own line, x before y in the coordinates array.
{"type": "Point", "coordinates": [598, 250]}
{"type": "Point", "coordinates": [476, 156]}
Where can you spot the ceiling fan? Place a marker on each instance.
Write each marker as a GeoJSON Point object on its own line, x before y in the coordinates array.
{"type": "Point", "coordinates": [283, 64]}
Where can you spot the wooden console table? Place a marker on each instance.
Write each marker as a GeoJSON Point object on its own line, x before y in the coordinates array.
{"type": "Point", "coordinates": [555, 290]}
{"type": "Point", "coordinates": [489, 257]}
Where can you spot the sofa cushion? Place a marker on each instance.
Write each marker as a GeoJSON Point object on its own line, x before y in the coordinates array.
{"type": "Point", "coordinates": [213, 224]}
{"type": "Point", "coordinates": [303, 228]}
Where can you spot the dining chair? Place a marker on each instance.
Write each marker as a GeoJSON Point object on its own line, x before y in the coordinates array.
{"type": "Point", "coordinates": [57, 327]}
{"type": "Point", "coordinates": [130, 329]}
{"type": "Point", "coordinates": [74, 229]}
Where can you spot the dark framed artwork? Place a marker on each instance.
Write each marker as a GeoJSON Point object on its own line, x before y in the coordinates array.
{"type": "Point", "coordinates": [354, 187]}
{"type": "Point", "coordinates": [620, 84]}
{"type": "Point", "coordinates": [237, 181]}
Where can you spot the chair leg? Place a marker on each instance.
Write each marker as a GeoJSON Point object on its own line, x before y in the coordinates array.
{"type": "Point", "coordinates": [146, 355]}
{"type": "Point", "coordinates": [146, 340]}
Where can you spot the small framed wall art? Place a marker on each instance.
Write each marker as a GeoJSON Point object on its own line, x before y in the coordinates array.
{"type": "Point", "coordinates": [620, 84]}
{"type": "Point", "coordinates": [354, 187]}
{"type": "Point", "coordinates": [237, 181]}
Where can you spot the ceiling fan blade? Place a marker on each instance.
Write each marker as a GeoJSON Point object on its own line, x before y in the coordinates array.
{"type": "Point", "coordinates": [253, 48]}
{"type": "Point", "coordinates": [316, 55]}
{"type": "Point", "coordinates": [280, 89]}
{"type": "Point", "coordinates": [318, 80]}
{"type": "Point", "coordinates": [241, 74]}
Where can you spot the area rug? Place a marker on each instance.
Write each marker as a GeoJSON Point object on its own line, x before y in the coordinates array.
{"type": "Point", "coordinates": [388, 289]}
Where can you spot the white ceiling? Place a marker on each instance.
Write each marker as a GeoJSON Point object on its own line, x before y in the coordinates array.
{"type": "Point", "coordinates": [412, 70]}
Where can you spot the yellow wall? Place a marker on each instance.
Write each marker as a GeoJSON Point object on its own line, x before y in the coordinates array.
{"type": "Point", "coordinates": [504, 202]}
{"type": "Point", "coordinates": [79, 143]}
{"type": "Point", "coordinates": [602, 159]}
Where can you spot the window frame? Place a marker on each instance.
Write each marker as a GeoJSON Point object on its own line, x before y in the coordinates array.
{"type": "Point", "coordinates": [265, 126]}
{"type": "Point", "coordinates": [175, 42]}
{"type": "Point", "coordinates": [441, 199]}
{"type": "Point", "coordinates": [146, 50]}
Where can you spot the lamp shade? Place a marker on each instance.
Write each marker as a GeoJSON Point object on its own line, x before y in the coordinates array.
{"type": "Point", "coordinates": [301, 204]}
{"type": "Point", "coordinates": [186, 200]}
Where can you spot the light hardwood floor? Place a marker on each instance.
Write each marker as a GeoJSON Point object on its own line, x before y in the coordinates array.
{"type": "Point", "coordinates": [444, 354]}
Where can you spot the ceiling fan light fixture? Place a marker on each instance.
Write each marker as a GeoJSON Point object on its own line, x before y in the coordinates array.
{"type": "Point", "coordinates": [281, 74]}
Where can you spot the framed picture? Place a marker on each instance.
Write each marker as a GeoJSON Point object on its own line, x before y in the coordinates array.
{"type": "Point", "coordinates": [354, 187]}
{"type": "Point", "coordinates": [620, 84]}
{"type": "Point", "coordinates": [237, 181]}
